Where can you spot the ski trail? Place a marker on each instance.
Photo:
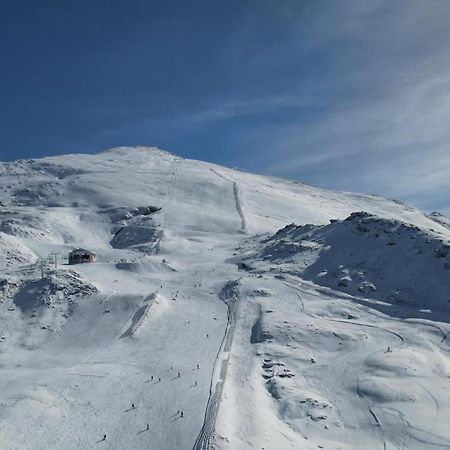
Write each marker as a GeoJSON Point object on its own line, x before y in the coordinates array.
{"type": "Point", "coordinates": [239, 207]}
{"type": "Point", "coordinates": [139, 317]}
{"type": "Point", "coordinates": [237, 201]}
{"type": "Point", "coordinates": [107, 297]}
{"type": "Point", "coordinates": [401, 342]}
{"type": "Point", "coordinates": [229, 294]}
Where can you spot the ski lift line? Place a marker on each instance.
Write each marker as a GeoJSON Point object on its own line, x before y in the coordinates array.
{"type": "Point", "coordinates": [55, 257]}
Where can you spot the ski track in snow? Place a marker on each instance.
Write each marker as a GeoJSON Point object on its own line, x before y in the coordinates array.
{"type": "Point", "coordinates": [237, 200]}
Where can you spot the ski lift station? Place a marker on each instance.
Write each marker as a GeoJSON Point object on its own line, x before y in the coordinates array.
{"type": "Point", "coordinates": [80, 255]}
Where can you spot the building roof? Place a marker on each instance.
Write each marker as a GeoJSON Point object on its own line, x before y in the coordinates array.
{"type": "Point", "coordinates": [82, 250]}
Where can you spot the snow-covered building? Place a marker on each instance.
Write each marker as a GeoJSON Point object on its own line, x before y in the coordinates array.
{"type": "Point", "coordinates": [80, 255]}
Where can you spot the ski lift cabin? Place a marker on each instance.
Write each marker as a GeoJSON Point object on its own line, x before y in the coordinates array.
{"type": "Point", "coordinates": [80, 255]}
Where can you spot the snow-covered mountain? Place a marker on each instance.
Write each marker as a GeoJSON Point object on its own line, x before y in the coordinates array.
{"type": "Point", "coordinates": [225, 310]}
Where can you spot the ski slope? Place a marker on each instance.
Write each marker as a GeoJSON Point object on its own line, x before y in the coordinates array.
{"type": "Point", "coordinates": [315, 335]}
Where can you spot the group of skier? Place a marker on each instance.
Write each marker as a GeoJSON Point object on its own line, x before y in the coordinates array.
{"type": "Point", "coordinates": [178, 413]}
{"type": "Point", "coordinates": [133, 406]}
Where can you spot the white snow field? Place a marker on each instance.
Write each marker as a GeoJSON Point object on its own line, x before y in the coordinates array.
{"type": "Point", "coordinates": [213, 297]}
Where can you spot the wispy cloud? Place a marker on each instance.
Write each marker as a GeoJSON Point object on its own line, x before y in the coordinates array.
{"type": "Point", "coordinates": [385, 127]}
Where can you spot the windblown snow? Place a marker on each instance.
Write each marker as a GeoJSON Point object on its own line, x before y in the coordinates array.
{"type": "Point", "coordinates": [225, 310]}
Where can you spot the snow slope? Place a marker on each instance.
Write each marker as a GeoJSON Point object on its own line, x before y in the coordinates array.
{"type": "Point", "coordinates": [281, 338]}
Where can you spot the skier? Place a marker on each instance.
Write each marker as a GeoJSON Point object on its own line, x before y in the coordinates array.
{"type": "Point", "coordinates": [198, 366]}
{"type": "Point", "coordinates": [132, 406]}
{"type": "Point", "coordinates": [181, 414]}
{"type": "Point", "coordinates": [179, 375]}
{"type": "Point", "coordinates": [148, 427]}
{"type": "Point", "coordinates": [104, 437]}
{"type": "Point", "coordinates": [152, 377]}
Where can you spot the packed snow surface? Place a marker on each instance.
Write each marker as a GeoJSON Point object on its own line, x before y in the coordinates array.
{"type": "Point", "coordinates": [226, 310]}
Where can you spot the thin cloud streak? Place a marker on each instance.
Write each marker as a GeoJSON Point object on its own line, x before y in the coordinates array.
{"type": "Point", "coordinates": [394, 143]}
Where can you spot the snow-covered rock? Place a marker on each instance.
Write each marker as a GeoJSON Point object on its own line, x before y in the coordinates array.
{"type": "Point", "coordinates": [383, 259]}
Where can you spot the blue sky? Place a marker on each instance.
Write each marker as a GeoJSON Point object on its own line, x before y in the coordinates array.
{"type": "Point", "coordinates": [350, 95]}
